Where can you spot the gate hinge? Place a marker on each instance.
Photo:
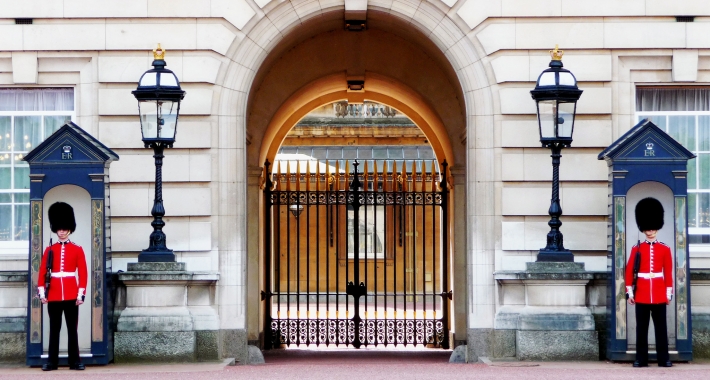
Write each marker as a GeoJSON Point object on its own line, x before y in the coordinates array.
{"type": "Point", "coordinates": [449, 294]}
{"type": "Point", "coordinates": [263, 295]}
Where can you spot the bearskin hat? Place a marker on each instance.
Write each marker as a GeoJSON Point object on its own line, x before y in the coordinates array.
{"type": "Point", "coordinates": [649, 214]}
{"type": "Point", "coordinates": [61, 217]}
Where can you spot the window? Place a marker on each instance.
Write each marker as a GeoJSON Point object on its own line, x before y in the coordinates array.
{"type": "Point", "coordinates": [371, 225]}
{"type": "Point", "coordinates": [684, 113]}
{"type": "Point", "coordinates": [27, 117]}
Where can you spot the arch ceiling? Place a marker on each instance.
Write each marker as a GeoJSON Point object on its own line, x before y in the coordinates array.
{"type": "Point", "coordinates": [401, 66]}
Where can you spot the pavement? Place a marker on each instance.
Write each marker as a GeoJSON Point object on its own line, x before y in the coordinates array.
{"type": "Point", "coordinates": [369, 364]}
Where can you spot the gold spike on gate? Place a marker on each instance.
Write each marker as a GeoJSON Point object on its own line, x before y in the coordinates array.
{"type": "Point", "coordinates": [404, 177]}
{"type": "Point", "coordinates": [336, 186]}
{"type": "Point", "coordinates": [364, 175]}
{"type": "Point", "coordinates": [375, 179]}
{"type": "Point", "coordinates": [277, 180]}
{"type": "Point", "coordinates": [347, 174]}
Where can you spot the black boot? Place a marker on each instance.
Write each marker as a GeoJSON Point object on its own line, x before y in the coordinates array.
{"type": "Point", "coordinates": [637, 364]}
{"type": "Point", "coordinates": [77, 366]}
{"type": "Point", "coordinates": [48, 367]}
{"type": "Point", "coordinates": [666, 364]}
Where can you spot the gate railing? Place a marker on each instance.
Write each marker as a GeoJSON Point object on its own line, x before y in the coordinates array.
{"type": "Point", "coordinates": [356, 257]}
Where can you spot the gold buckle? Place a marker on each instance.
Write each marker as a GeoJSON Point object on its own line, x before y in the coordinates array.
{"type": "Point", "coordinates": [651, 275]}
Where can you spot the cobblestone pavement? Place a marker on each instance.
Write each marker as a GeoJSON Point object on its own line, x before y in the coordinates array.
{"type": "Point", "coordinates": [370, 364]}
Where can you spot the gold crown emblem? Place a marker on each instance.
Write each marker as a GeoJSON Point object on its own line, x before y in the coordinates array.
{"type": "Point", "coordinates": [556, 54]}
{"type": "Point", "coordinates": [159, 53]}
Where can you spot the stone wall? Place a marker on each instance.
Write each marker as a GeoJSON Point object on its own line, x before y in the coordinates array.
{"type": "Point", "coordinates": [13, 316]}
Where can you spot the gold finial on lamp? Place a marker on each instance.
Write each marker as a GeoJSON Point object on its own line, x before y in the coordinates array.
{"type": "Point", "coordinates": [159, 53]}
{"type": "Point", "coordinates": [555, 54]}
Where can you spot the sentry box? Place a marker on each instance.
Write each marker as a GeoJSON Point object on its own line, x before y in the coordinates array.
{"type": "Point", "coordinates": [72, 166]}
{"type": "Point", "coordinates": [647, 162]}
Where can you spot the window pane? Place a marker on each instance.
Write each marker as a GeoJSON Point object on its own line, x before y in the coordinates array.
{"type": "Point", "coordinates": [350, 153]}
{"type": "Point", "coordinates": [395, 153]}
{"type": "Point", "coordinates": [5, 177]}
{"type": "Point", "coordinates": [704, 166]}
{"type": "Point", "coordinates": [659, 120]}
{"type": "Point", "coordinates": [22, 197]}
{"type": "Point", "coordinates": [22, 222]}
{"type": "Point", "coordinates": [319, 153]}
{"type": "Point", "coordinates": [5, 197]}
{"type": "Point", "coordinates": [364, 153]}
{"type": "Point", "coordinates": [5, 125]}
{"type": "Point", "coordinates": [704, 133]}
{"type": "Point", "coordinates": [692, 174]}
{"type": "Point", "coordinates": [52, 123]}
{"type": "Point", "coordinates": [27, 133]}
{"type": "Point", "coordinates": [692, 212]}
{"type": "Point", "coordinates": [703, 210]}
{"type": "Point", "coordinates": [379, 153]}
{"type": "Point", "coordinates": [22, 176]}
{"type": "Point", "coordinates": [672, 99]}
{"type": "Point", "coordinates": [5, 223]}
{"type": "Point", "coordinates": [334, 153]}
{"type": "Point", "coordinates": [410, 152]}
{"type": "Point", "coordinates": [682, 128]}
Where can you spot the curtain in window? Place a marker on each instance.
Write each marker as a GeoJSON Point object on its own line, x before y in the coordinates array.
{"type": "Point", "coordinates": [37, 99]}
{"type": "Point", "coordinates": [672, 99]}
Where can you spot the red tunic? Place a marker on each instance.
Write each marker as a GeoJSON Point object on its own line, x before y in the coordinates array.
{"type": "Point", "coordinates": [68, 258]}
{"type": "Point", "coordinates": [655, 272]}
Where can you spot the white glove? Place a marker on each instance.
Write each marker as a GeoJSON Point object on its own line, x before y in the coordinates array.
{"type": "Point", "coordinates": [40, 291]}
{"type": "Point", "coordinates": [630, 291]}
{"type": "Point", "coordinates": [669, 294]}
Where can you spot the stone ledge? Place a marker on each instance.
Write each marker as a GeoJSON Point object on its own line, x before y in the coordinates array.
{"type": "Point", "coordinates": [13, 276]}
{"type": "Point", "coordinates": [699, 275]}
{"type": "Point", "coordinates": [157, 267]}
{"type": "Point", "coordinates": [553, 276]}
{"type": "Point", "coordinates": [207, 277]}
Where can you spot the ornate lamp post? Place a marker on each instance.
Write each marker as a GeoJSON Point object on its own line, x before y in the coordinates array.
{"type": "Point", "coordinates": [159, 95]}
{"type": "Point", "coordinates": [556, 94]}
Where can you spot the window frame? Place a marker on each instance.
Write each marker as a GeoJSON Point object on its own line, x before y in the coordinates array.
{"type": "Point", "coordinates": [17, 247]}
{"type": "Point", "coordinates": [640, 115]}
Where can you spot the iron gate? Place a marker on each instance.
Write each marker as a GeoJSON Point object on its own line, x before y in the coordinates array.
{"type": "Point", "coordinates": [356, 257]}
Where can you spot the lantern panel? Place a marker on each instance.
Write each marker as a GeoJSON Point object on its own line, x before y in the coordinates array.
{"type": "Point", "coordinates": [565, 119]}
{"type": "Point", "coordinates": [546, 110]}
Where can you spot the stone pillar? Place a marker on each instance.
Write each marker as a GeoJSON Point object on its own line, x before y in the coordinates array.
{"type": "Point", "coordinates": [170, 315]}
{"type": "Point", "coordinates": [13, 314]}
{"type": "Point", "coordinates": [544, 315]}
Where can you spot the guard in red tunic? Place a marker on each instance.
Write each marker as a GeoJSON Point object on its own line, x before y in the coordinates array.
{"type": "Point", "coordinates": [654, 284]}
{"type": "Point", "coordinates": [67, 287]}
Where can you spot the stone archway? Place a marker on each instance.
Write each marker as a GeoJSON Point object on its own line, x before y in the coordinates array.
{"type": "Point", "coordinates": [420, 83]}
{"type": "Point", "coordinates": [443, 50]}
{"type": "Point", "coordinates": [378, 89]}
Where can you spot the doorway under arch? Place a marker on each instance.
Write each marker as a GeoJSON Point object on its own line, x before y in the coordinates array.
{"type": "Point", "coordinates": [420, 84]}
{"type": "Point", "coordinates": [357, 223]}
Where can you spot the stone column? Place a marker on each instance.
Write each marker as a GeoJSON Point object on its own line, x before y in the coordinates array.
{"type": "Point", "coordinates": [170, 315]}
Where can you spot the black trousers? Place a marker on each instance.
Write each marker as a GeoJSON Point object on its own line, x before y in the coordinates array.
{"type": "Point", "coordinates": [658, 313]}
{"type": "Point", "coordinates": [71, 314]}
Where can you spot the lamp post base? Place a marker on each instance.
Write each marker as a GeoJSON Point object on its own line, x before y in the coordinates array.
{"type": "Point", "coordinates": [166, 256]}
{"type": "Point", "coordinates": [556, 256]}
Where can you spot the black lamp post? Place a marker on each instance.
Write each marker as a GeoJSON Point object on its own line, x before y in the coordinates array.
{"type": "Point", "coordinates": [556, 94]}
{"type": "Point", "coordinates": [159, 95]}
